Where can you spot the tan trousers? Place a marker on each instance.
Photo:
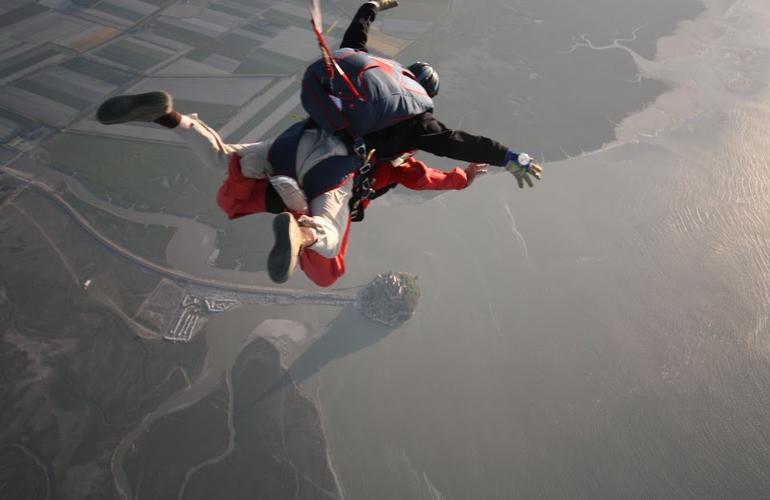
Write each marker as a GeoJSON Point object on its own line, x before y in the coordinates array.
{"type": "Point", "coordinates": [328, 212]}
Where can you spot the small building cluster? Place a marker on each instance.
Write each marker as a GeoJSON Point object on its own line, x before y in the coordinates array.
{"type": "Point", "coordinates": [179, 314]}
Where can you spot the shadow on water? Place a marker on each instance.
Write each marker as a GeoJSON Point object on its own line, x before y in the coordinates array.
{"type": "Point", "coordinates": [348, 333]}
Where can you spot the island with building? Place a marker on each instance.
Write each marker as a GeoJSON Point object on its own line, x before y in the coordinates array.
{"type": "Point", "coordinates": [177, 312]}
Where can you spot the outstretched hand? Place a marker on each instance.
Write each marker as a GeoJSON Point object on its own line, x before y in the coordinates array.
{"type": "Point", "coordinates": [525, 174]}
{"type": "Point", "coordinates": [474, 170]}
{"type": "Point", "coordinates": [523, 168]}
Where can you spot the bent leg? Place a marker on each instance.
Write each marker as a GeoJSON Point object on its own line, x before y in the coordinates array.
{"type": "Point", "coordinates": [329, 218]}
{"type": "Point", "coordinates": [321, 270]}
{"type": "Point", "coordinates": [357, 34]}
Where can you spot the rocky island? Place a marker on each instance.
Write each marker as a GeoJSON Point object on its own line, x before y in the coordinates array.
{"type": "Point", "coordinates": [391, 298]}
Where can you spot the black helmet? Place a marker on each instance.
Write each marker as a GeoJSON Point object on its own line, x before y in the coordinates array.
{"type": "Point", "coordinates": [426, 76]}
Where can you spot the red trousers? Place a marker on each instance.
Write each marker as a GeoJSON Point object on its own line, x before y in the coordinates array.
{"type": "Point", "coordinates": [321, 270]}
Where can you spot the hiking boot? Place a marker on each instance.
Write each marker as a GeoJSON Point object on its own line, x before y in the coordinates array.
{"type": "Point", "coordinates": [135, 108]}
{"type": "Point", "coordinates": [385, 4]}
{"type": "Point", "coordinates": [284, 256]}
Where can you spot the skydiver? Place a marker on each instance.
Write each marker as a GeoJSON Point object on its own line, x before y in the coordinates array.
{"type": "Point", "coordinates": [313, 235]}
{"type": "Point", "coordinates": [401, 118]}
{"type": "Point", "coordinates": [306, 155]}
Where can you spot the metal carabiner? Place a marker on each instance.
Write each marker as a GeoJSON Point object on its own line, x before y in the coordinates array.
{"type": "Point", "coordinates": [359, 148]}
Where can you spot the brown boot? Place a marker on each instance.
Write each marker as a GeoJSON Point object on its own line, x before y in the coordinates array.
{"type": "Point", "coordinates": [385, 4]}
{"type": "Point", "coordinates": [290, 239]}
{"type": "Point", "coordinates": [146, 107]}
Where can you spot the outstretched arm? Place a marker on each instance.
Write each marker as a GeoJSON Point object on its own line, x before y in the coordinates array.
{"type": "Point", "coordinates": [414, 174]}
{"type": "Point", "coordinates": [426, 133]}
{"type": "Point", "coordinates": [434, 137]}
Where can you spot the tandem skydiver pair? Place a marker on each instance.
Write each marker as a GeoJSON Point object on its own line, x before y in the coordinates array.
{"type": "Point", "coordinates": [321, 173]}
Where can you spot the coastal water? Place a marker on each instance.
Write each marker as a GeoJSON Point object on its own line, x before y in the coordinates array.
{"type": "Point", "coordinates": [604, 335]}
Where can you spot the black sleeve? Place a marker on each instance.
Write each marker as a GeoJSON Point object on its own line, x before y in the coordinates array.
{"type": "Point", "coordinates": [357, 34]}
{"type": "Point", "coordinates": [434, 137]}
{"type": "Point", "coordinates": [426, 133]}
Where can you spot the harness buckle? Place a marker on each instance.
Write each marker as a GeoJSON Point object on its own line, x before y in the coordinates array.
{"type": "Point", "coordinates": [363, 187]}
{"type": "Point", "coordinates": [359, 148]}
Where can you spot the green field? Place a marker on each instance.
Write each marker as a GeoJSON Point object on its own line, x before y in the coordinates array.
{"type": "Point", "coordinates": [263, 61]}
{"type": "Point", "coordinates": [29, 58]}
{"type": "Point", "coordinates": [53, 93]}
{"type": "Point", "coordinates": [146, 240]}
{"type": "Point", "coordinates": [265, 112]}
{"type": "Point", "coordinates": [151, 177]}
{"type": "Point", "coordinates": [182, 35]}
{"type": "Point", "coordinates": [132, 54]}
{"type": "Point", "coordinates": [118, 11]}
{"type": "Point", "coordinates": [98, 71]}
{"type": "Point", "coordinates": [20, 14]}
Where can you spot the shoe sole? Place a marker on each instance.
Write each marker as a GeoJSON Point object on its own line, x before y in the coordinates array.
{"type": "Point", "coordinates": [135, 108]}
{"type": "Point", "coordinates": [284, 255]}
